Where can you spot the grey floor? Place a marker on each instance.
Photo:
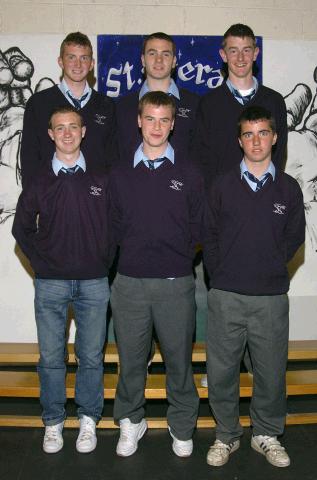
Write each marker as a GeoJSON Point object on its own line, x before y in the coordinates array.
{"type": "Point", "coordinates": [22, 458]}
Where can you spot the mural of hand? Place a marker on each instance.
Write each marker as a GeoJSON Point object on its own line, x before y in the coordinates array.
{"type": "Point", "coordinates": [302, 150]}
{"type": "Point", "coordinates": [16, 70]}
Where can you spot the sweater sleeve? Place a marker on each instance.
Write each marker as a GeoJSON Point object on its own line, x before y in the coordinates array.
{"type": "Point", "coordinates": [210, 233]}
{"type": "Point", "coordinates": [197, 205]}
{"type": "Point", "coordinates": [295, 228]}
{"type": "Point", "coordinates": [24, 226]}
{"type": "Point", "coordinates": [30, 145]}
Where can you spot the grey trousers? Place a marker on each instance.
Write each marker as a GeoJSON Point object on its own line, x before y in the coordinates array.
{"type": "Point", "coordinates": [137, 305]}
{"type": "Point", "coordinates": [263, 323]}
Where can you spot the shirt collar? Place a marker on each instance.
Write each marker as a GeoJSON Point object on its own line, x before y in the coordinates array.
{"type": "Point", "coordinates": [271, 169]}
{"type": "Point", "coordinates": [139, 156]}
{"type": "Point", "coordinates": [57, 164]}
{"type": "Point", "coordinates": [172, 90]}
{"type": "Point", "coordinates": [232, 87]}
{"type": "Point", "coordinates": [64, 88]}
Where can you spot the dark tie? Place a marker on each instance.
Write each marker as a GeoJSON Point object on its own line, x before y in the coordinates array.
{"type": "Point", "coordinates": [151, 163]}
{"type": "Point", "coordinates": [259, 183]}
{"type": "Point", "coordinates": [245, 99]}
{"type": "Point", "coordinates": [77, 101]}
{"type": "Point", "coordinates": [70, 170]}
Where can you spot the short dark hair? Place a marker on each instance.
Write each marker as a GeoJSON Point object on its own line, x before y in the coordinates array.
{"type": "Point", "coordinates": [254, 114]}
{"type": "Point", "coordinates": [238, 30]}
{"type": "Point", "coordinates": [157, 99]}
{"type": "Point", "coordinates": [65, 109]}
{"type": "Point", "coordinates": [75, 38]}
{"type": "Point", "coordinates": [160, 36]}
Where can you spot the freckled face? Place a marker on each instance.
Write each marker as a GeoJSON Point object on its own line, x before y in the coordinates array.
{"type": "Point", "coordinates": [239, 54]}
{"type": "Point", "coordinates": [76, 63]}
{"type": "Point", "coordinates": [67, 132]}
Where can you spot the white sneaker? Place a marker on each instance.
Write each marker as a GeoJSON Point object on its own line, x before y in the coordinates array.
{"type": "Point", "coordinates": [87, 440]}
{"type": "Point", "coordinates": [181, 448]}
{"type": "Point", "coordinates": [130, 434]}
{"type": "Point", "coordinates": [204, 381]}
{"type": "Point", "coordinates": [271, 448]}
{"type": "Point", "coordinates": [53, 439]}
{"type": "Point", "coordinates": [219, 452]}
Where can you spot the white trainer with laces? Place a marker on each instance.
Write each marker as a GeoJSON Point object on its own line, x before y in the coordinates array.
{"type": "Point", "coordinates": [130, 434]}
{"type": "Point", "coordinates": [53, 439]}
{"type": "Point", "coordinates": [271, 448]}
{"type": "Point", "coordinates": [219, 452]}
{"type": "Point", "coordinates": [181, 448]}
{"type": "Point", "coordinates": [87, 439]}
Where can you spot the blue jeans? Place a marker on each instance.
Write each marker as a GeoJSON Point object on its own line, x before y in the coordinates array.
{"type": "Point", "coordinates": [90, 301]}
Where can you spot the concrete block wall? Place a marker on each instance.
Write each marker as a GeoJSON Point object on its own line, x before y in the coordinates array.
{"type": "Point", "coordinates": [274, 19]}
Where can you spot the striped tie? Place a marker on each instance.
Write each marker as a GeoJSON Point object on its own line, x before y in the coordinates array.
{"type": "Point", "coordinates": [259, 183]}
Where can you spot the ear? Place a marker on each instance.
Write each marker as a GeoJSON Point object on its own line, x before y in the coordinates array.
{"type": "Point", "coordinates": [223, 55]}
{"type": "Point", "coordinates": [92, 64]}
{"type": "Point", "coordinates": [60, 62]}
{"type": "Point", "coordinates": [142, 60]}
{"type": "Point", "coordinates": [51, 134]}
{"type": "Point", "coordinates": [256, 53]}
{"type": "Point", "coordinates": [172, 124]}
{"type": "Point", "coordinates": [83, 132]}
{"type": "Point", "coordinates": [139, 121]}
{"type": "Point", "coordinates": [174, 62]}
{"type": "Point", "coordinates": [240, 143]}
{"type": "Point", "coordinates": [274, 139]}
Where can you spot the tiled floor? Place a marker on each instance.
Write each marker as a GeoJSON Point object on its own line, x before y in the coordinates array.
{"type": "Point", "coordinates": [22, 458]}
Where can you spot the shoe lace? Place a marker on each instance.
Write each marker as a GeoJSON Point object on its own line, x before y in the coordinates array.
{"type": "Point", "coordinates": [127, 432]}
{"type": "Point", "coordinates": [274, 445]}
{"type": "Point", "coordinates": [51, 433]}
{"type": "Point", "coordinates": [87, 430]}
{"type": "Point", "coordinates": [220, 448]}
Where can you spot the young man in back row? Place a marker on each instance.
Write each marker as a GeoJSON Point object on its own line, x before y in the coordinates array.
{"type": "Point", "coordinates": [61, 225]}
{"type": "Point", "coordinates": [157, 202]}
{"type": "Point", "coordinates": [254, 224]}
{"type": "Point", "coordinates": [159, 62]}
{"type": "Point", "coordinates": [216, 148]}
{"type": "Point", "coordinates": [77, 62]}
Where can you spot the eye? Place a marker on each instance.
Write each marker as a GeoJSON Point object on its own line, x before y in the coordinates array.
{"type": "Point", "coordinates": [247, 135]}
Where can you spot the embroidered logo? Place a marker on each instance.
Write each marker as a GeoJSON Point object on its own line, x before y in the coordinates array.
{"type": "Point", "coordinates": [176, 185]}
{"type": "Point", "coordinates": [280, 209]}
{"type": "Point", "coordinates": [100, 119]}
{"type": "Point", "coordinates": [183, 112]}
{"type": "Point", "coordinates": [95, 191]}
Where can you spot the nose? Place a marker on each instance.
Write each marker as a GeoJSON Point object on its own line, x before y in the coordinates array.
{"type": "Point", "coordinates": [77, 62]}
{"type": "Point", "coordinates": [240, 55]}
{"type": "Point", "coordinates": [256, 139]}
{"type": "Point", "coordinates": [159, 57]}
{"type": "Point", "coordinates": [157, 125]}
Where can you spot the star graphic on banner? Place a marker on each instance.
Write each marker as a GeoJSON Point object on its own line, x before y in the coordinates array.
{"type": "Point", "coordinates": [192, 42]}
{"type": "Point", "coordinates": [179, 54]}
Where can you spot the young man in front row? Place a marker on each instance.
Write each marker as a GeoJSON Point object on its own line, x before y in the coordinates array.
{"type": "Point", "coordinates": [61, 226]}
{"type": "Point", "coordinates": [254, 224]}
{"type": "Point", "coordinates": [157, 202]}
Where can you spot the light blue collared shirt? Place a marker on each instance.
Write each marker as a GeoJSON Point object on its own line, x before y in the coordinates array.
{"type": "Point", "coordinates": [244, 168]}
{"type": "Point", "coordinates": [232, 88]}
{"type": "Point", "coordinates": [64, 88]}
{"type": "Point", "coordinates": [172, 90]}
{"type": "Point", "coordinates": [57, 164]}
{"type": "Point", "coordinates": [139, 156]}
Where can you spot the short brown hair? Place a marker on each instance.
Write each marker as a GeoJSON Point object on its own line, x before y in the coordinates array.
{"type": "Point", "coordinates": [160, 36]}
{"type": "Point", "coordinates": [157, 99]}
{"type": "Point", "coordinates": [65, 109]}
{"type": "Point", "coordinates": [76, 38]}
{"type": "Point", "coordinates": [255, 114]}
{"type": "Point", "coordinates": [238, 30]}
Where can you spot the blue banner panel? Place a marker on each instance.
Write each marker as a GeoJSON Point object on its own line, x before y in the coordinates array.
{"type": "Point", "coordinates": [198, 63]}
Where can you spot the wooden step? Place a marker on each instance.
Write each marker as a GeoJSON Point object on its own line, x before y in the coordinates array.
{"type": "Point", "coordinates": [26, 384]}
{"type": "Point", "coordinates": [202, 422]}
{"type": "Point", "coordinates": [28, 354]}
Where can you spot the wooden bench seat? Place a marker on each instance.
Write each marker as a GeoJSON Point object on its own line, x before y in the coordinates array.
{"type": "Point", "coordinates": [26, 384]}
{"type": "Point", "coordinates": [27, 353]}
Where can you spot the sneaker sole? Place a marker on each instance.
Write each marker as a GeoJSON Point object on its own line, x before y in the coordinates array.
{"type": "Point", "coordinates": [53, 451]}
{"type": "Point", "coordinates": [131, 452]}
{"type": "Point", "coordinates": [258, 449]}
